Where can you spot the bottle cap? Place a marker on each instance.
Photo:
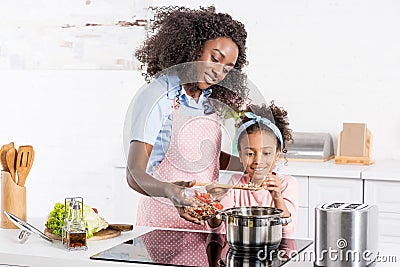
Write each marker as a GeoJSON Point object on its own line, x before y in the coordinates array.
{"type": "Point", "coordinates": [76, 206]}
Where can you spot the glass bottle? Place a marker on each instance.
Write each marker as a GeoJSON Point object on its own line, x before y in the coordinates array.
{"type": "Point", "coordinates": [67, 220]}
{"type": "Point", "coordinates": [75, 236]}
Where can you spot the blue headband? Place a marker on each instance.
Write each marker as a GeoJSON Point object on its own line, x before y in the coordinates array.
{"type": "Point", "coordinates": [258, 119]}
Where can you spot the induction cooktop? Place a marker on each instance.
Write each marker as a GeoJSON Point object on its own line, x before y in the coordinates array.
{"type": "Point", "coordinates": [187, 248]}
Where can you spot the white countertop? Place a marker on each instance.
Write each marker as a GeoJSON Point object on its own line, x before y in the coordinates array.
{"type": "Point", "coordinates": [381, 170]}
{"type": "Point", "coordinates": [322, 169]}
{"type": "Point", "coordinates": [37, 252]}
{"type": "Point", "coordinates": [41, 253]}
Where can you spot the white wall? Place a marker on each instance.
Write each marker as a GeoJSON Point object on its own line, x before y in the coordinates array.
{"type": "Point", "coordinates": [65, 87]}
{"type": "Point", "coordinates": [74, 120]}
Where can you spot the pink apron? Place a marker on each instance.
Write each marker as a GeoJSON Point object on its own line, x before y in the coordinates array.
{"type": "Point", "coordinates": [193, 153]}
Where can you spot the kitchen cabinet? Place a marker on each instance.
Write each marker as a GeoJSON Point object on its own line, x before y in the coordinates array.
{"type": "Point", "coordinates": [317, 190]}
{"type": "Point", "coordinates": [384, 194]}
{"type": "Point", "coordinates": [302, 223]}
{"type": "Point", "coordinates": [322, 182]}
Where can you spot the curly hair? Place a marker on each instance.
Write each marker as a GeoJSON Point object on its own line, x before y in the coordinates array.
{"type": "Point", "coordinates": [275, 114]}
{"type": "Point", "coordinates": [178, 35]}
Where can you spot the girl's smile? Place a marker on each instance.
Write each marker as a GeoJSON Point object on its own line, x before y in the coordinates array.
{"type": "Point", "coordinates": [258, 153]}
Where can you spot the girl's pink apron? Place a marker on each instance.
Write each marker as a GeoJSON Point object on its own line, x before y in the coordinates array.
{"type": "Point", "coordinates": [193, 153]}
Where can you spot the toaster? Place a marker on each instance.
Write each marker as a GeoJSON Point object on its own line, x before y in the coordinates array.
{"type": "Point", "coordinates": [346, 234]}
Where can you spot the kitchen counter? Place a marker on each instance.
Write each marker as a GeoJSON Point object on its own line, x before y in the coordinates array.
{"type": "Point", "coordinates": [385, 170]}
{"type": "Point", "coordinates": [37, 252]}
{"type": "Point", "coordinates": [322, 169]}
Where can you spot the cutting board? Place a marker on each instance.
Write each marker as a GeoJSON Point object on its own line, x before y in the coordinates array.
{"type": "Point", "coordinates": [101, 235]}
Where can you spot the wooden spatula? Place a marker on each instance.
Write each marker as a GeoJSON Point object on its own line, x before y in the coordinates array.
{"type": "Point", "coordinates": [11, 158]}
{"type": "Point", "coordinates": [25, 157]}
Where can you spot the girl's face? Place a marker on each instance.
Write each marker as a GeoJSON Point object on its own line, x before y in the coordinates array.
{"type": "Point", "coordinates": [258, 153]}
{"type": "Point", "coordinates": [217, 59]}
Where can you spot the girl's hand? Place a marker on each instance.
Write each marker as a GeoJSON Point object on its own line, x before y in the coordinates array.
{"type": "Point", "coordinates": [258, 179]}
{"type": "Point", "coordinates": [273, 184]}
{"type": "Point", "coordinates": [214, 222]}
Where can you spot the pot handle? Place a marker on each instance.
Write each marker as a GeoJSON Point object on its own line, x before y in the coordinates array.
{"type": "Point", "coordinates": [285, 220]}
{"type": "Point", "coordinates": [221, 215]}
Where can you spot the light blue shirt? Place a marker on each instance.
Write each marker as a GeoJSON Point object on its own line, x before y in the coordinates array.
{"type": "Point", "coordinates": [152, 114]}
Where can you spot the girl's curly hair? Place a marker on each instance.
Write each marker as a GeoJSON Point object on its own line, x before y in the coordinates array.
{"type": "Point", "coordinates": [276, 115]}
{"type": "Point", "coordinates": [178, 35]}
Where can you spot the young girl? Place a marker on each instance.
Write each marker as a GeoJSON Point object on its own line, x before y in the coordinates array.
{"type": "Point", "coordinates": [261, 138]}
{"type": "Point", "coordinates": [197, 57]}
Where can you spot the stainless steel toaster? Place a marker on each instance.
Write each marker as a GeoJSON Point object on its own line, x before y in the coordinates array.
{"type": "Point", "coordinates": [346, 234]}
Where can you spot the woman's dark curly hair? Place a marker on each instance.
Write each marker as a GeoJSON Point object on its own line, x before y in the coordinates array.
{"type": "Point", "coordinates": [276, 115]}
{"type": "Point", "coordinates": [178, 35]}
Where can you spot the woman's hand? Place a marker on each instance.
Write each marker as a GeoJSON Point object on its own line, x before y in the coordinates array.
{"type": "Point", "coordinates": [176, 193]}
{"type": "Point", "coordinates": [273, 184]}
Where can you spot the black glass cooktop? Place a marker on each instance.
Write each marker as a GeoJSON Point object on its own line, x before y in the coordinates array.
{"type": "Point", "coordinates": [186, 248]}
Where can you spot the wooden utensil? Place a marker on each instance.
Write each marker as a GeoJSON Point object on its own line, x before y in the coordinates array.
{"type": "Point", "coordinates": [4, 149]}
{"type": "Point", "coordinates": [11, 158]}
{"type": "Point", "coordinates": [3, 164]}
{"type": "Point", "coordinates": [228, 186]}
{"type": "Point", "coordinates": [24, 163]}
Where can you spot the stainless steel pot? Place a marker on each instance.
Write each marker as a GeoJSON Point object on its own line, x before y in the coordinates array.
{"type": "Point", "coordinates": [249, 228]}
{"type": "Point", "coordinates": [240, 259]}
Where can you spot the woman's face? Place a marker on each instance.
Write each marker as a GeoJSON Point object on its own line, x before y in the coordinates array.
{"type": "Point", "coordinates": [258, 153]}
{"type": "Point", "coordinates": [217, 59]}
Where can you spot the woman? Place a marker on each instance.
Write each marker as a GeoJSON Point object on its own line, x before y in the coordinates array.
{"type": "Point", "coordinates": [197, 57]}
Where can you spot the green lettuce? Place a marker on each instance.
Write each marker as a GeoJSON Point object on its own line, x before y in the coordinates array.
{"type": "Point", "coordinates": [56, 219]}
{"type": "Point", "coordinates": [93, 221]}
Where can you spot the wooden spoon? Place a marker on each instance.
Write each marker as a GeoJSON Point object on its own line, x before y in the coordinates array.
{"type": "Point", "coordinates": [228, 186]}
{"type": "Point", "coordinates": [25, 158]}
{"type": "Point", "coordinates": [3, 164]}
{"type": "Point", "coordinates": [11, 158]}
{"type": "Point", "coordinates": [3, 154]}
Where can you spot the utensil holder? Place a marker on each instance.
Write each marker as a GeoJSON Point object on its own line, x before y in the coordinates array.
{"type": "Point", "coordinates": [13, 200]}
